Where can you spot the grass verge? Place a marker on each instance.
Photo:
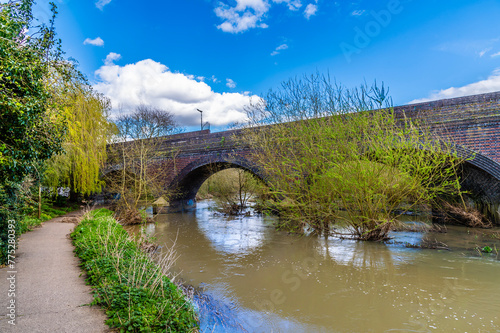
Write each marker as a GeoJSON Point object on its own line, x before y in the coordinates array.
{"type": "Point", "coordinates": [29, 222]}
{"type": "Point", "coordinates": [132, 288]}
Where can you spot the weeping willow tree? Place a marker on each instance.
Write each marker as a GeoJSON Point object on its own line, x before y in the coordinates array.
{"type": "Point", "coordinates": [338, 157]}
{"type": "Point", "coordinates": [85, 113]}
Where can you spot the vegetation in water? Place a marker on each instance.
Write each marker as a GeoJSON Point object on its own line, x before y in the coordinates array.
{"type": "Point", "coordinates": [132, 287]}
{"type": "Point", "coordinates": [331, 161]}
{"type": "Point", "coordinates": [232, 190]}
{"type": "Point", "coordinates": [487, 249]}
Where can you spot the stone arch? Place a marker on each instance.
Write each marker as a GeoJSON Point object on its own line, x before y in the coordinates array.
{"type": "Point", "coordinates": [188, 181]}
{"type": "Point", "coordinates": [481, 178]}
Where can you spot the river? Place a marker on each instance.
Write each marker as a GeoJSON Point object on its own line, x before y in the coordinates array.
{"type": "Point", "coordinates": [256, 279]}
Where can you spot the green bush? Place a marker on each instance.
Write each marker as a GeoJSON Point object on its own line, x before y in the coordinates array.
{"type": "Point", "coordinates": [133, 289]}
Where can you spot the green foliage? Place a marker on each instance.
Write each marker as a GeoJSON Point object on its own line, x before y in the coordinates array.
{"type": "Point", "coordinates": [41, 95]}
{"type": "Point", "coordinates": [232, 189]}
{"type": "Point", "coordinates": [133, 289]}
{"type": "Point", "coordinates": [27, 133]}
{"type": "Point", "coordinates": [339, 164]}
{"type": "Point", "coordinates": [85, 112]}
{"type": "Point", "coordinates": [11, 203]}
{"type": "Point", "coordinates": [487, 249]}
{"type": "Point", "coordinates": [29, 221]}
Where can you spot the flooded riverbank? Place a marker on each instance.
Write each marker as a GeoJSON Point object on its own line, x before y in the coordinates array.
{"type": "Point", "coordinates": [257, 279]}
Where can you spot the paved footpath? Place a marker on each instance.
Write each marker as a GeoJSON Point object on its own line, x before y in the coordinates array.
{"type": "Point", "coordinates": [50, 287]}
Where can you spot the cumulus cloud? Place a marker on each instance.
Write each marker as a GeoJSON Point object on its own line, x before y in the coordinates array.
{"type": "Point", "coordinates": [311, 10]}
{"type": "Point", "coordinates": [278, 49]}
{"type": "Point", "coordinates": [491, 84]}
{"type": "Point", "coordinates": [152, 83]}
{"type": "Point", "coordinates": [101, 3]}
{"type": "Point", "coordinates": [96, 41]}
{"type": "Point", "coordinates": [230, 83]}
{"type": "Point", "coordinates": [249, 14]}
{"type": "Point", "coordinates": [111, 58]}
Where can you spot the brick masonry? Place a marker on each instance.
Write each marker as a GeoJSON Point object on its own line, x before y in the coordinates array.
{"type": "Point", "coordinates": [471, 122]}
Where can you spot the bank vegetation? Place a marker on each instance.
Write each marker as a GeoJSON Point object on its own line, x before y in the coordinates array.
{"type": "Point", "coordinates": [131, 285]}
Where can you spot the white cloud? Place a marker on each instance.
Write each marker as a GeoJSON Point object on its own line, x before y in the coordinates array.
{"type": "Point", "coordinates": [278, 49]}
{"type": "Point", "coordinates": [96, 41]}
{"type": "Point", "coordinates": [249, 14]}
{"type": "Point", "coordinates": [230, 83]}
{"type": "Point", "coordinates": [111, 57]}
{"type": "Point", "coordinates": [358, 12]}
{"type": "Point", "coordinates": [311, 10]}
{"type": "Point", "coordinates": [292, 4]}
{"type": "Point", "coordinates": [101, 3]}
{"type": "Point", "coordinates": [483, 52]}
{"type": "Point", "coordinates": [152, 83]}
{"type": "Point", "coordinates": [495, 54]}
{"type": "Point", "coordinates": [491, 84]}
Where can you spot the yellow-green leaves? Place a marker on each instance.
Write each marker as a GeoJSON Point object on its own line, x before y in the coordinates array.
{"type": "Point", "coordinates": [335, 164]}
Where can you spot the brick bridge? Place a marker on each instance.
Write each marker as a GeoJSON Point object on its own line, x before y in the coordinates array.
{"type": "Point", "coordinates": [472, 122]}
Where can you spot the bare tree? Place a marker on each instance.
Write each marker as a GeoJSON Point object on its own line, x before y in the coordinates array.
{"type": "Point", "coordinates": [136, 150]}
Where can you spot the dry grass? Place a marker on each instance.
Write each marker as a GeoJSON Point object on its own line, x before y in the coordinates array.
{"type": "Point", "coordinates": [464, 215]}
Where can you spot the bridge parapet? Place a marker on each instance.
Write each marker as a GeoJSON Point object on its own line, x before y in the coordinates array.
{"type": "Point", "coordinates": [471, 122]}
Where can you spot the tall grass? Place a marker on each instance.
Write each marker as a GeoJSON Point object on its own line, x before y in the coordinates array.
{"type": "Point", "coordinates": [133, 286]}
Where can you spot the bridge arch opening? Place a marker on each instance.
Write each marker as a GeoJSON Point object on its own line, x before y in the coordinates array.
{"type": "Point", "coordinates": [191, 178]}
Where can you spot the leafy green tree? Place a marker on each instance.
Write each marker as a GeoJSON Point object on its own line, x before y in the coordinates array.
{"type": "Point", "coordinates": [28, 132]}
{"type": "Point", "coordinates": [333, 165]}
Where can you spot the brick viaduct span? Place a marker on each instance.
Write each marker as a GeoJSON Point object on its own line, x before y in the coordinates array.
{"type": "Point", "coordinates": [472, 122]}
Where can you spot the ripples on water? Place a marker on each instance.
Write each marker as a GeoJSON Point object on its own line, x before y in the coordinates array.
{"type": "Point", "coordinates": [257, 279]}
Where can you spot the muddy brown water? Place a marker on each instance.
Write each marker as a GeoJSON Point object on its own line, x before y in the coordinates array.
{"type": "Point", "coordinates": [257, 279]}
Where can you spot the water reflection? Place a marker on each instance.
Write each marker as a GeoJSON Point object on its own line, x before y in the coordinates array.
{"type": "Point", "coordinates": [257, 279]}
{"type": "Point", "coordinates": [237, 235]}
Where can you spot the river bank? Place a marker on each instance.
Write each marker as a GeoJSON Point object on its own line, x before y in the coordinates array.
{"type": "Point", "coordinates": [258, 279]}
{"type": "Point", "coordinates": [132, 286]}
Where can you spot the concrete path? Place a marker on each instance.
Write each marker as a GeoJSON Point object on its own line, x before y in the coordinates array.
{"type": "Point", "coordinates": [49, 286]}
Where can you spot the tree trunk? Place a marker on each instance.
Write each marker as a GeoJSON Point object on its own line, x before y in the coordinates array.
{"type": "Point", "coordinates": [39, 201]}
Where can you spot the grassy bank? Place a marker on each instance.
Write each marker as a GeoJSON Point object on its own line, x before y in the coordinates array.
{"type": "Point", "coordinates": [134, 290]}
{"type": "Point", "coordinates": [31, 220]}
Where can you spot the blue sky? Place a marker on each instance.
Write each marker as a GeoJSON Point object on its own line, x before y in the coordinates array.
{"type": "Point", "coordinates": [215, 55]}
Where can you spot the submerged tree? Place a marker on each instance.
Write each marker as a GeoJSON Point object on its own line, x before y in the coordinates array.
{"type": "Point", "coordinates": [338, 156]}
{"type": "Point", "coordinates": [232, 189]}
